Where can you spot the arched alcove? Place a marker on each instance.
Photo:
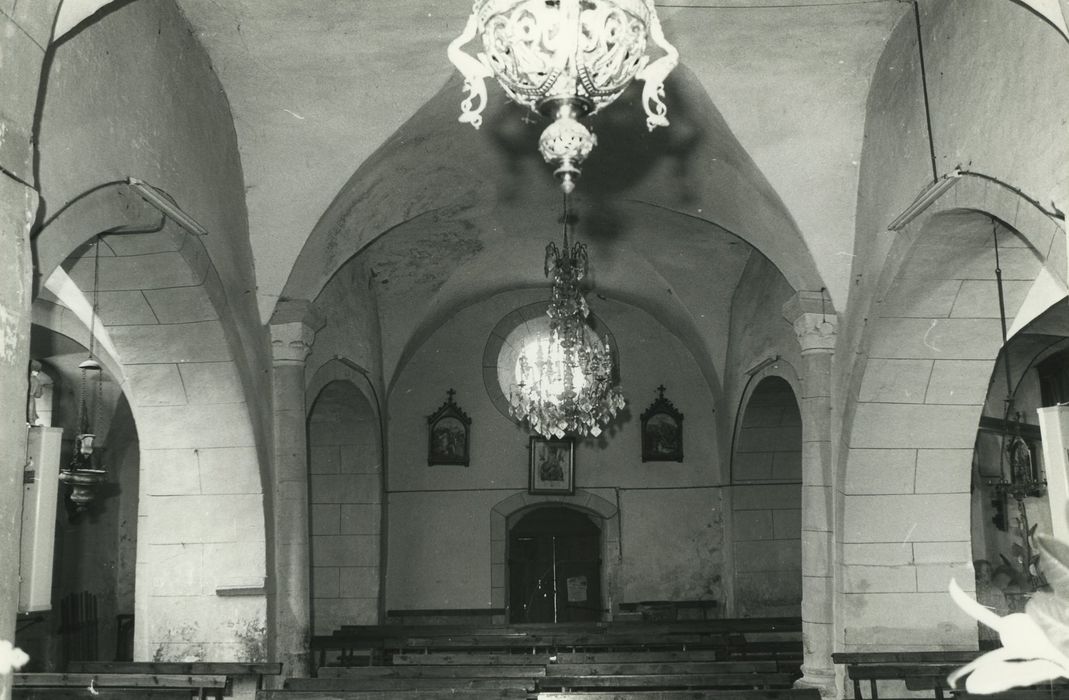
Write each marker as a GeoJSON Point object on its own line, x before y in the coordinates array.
{"type": "Point", "coordinates": [93, 548]}
{"type": "Point", "coordinates": [910, 423]}
{"type": "Point", "coordinates": [345, 494]}
{"type": "Point", "coordinates": [164, 330]}
{"type": "Point", "coordinates": [1009, 475]}
{"type": "Point", "coordinates": [766, 480]}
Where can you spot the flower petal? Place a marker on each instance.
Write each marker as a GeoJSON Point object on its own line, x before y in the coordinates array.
{"type": "Point", "coordinates": [993, 657]}
{"type": "Point", "coordinates": [971, 607]}
{"type": "Point", "coordinates": [1000, 675]}
{"type": "Point", "coordinates": [1051, 613]}
{"type": "Point", "coordinates": [1055, 557]}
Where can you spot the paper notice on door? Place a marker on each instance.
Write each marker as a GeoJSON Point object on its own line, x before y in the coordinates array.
{"type": "Point", "coordinates": [577, 589]}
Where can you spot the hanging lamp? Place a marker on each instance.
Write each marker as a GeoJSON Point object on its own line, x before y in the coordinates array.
{"type": "Point", "coordinates": [1017, 474]}
{"type": "Point", "coordinates": [565, 60]}
{"type": "Point", "coordinates": [83, 474]}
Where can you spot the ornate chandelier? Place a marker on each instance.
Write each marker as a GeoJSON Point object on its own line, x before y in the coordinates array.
{"type": "Point", "coordinates": [564, 377]}
{"type": "Point", "coordinates": [564, 59]}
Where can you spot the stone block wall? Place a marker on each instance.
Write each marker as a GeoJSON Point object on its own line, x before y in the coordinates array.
{"type": "Point", "coordinates": [907, 506]}
{"type": "Point", "coordinates": [766, 504]}
{"type": "Point", "coordinates": [345, 498]}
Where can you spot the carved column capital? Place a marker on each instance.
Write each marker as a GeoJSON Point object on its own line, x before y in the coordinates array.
{"type": "Point", "coordinates": [291, 342]}
{"type": "Point", "coordinates": [815, 321]}
{"type": "Point", "coordinates": [293, 329]}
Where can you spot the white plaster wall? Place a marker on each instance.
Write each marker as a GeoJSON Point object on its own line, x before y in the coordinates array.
{"type": "Point", "coordinates": [671, 543]}
{"type": "Point", "coordinates": [440, 549]}
{"type": "Point", "coordinates": [439, 517]}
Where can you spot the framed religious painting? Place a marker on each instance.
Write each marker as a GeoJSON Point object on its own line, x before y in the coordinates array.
{"type": "Point", "coordinates": [551, 466]}
{"type": "Point", "coordinates": [448, 435]}
{"type": "Point", "coordinates": [662, 431]}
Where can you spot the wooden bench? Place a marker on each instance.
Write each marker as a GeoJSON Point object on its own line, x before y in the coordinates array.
{"type": "Point", "coordinates": [630, 667]}
{"type": "Point", "coordinates": [406, 694]}
{"type": "Point", "coordinates": [441, 685]}
{"type": "Point", "coordinates": [655, 656]}
{"type": "Point", "coordinates": [245, 675]}
{"type": "Point", "coordinates": [747, 638]}
{"type": "Point", "coordinates": [434, 671]}
{"type": "Point", "coordinates": [668, 681]}
{"type": "Point", "coordinates": [105, 686]}
{"type": "Point", "coordinates": [918, 670]}
{"type": "Point", "coordinates": [774, 694]}
{"type": "Point", "coordinates": [467, 658]}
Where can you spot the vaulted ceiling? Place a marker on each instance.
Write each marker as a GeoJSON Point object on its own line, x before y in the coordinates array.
{"type": "Point", "coordinates": [317, 89]}
{"type": "Point", "coordinates": [768, 110]}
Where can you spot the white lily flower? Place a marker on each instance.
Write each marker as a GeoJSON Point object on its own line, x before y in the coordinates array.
{"type": "Point", "coordinates": [1027, 655]}
{"type": "Point", "coordinates": [11, 657]}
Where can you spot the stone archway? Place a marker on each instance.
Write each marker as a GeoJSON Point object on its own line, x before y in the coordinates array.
{"type": "Point", "coordinates": [915, 401]}
{"type": "Point", "coordinates": [509, 510]}
{"type": "Point", "coordinates": [165, 323]}
{"type": "Point", "coordinates": [345, 503]}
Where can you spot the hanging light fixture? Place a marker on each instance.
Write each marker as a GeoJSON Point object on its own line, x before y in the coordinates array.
{"type": "Point", "coordinates": [1019, 478]}
{"type": "Point", "coordinates": [564, 59]}
{"type": "Point", "coordinates": [83, 474]}
{"type": "Point", "coordinates": [565, 376]}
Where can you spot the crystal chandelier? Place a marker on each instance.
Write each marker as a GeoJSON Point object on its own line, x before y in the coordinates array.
{"type": "Point", "coordinates": [564, 377]}
{"type": "Point", "coordinates": [564, 59]}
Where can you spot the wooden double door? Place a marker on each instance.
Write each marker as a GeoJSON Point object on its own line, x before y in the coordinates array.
{"type": "Point", "coordinates": [554, 556]}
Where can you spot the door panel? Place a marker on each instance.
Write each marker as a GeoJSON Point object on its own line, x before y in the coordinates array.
{"type": "Point", "coordinates": [554, 567]}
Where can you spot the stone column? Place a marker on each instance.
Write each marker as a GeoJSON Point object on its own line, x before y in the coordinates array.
{"type": "Point", "coordinates": [293, 329]}
{"type": "Point", "coordinates": [26, 30]}
{"type": "Point", "coordinates": [815, 324]}
{"type": "Point", "coordinates": [18, 207]}
{"type": "Point", "coordinates": [1054, 427]}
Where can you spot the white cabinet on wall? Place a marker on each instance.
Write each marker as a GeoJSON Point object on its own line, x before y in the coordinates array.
{"type": "Point", "coordinates": [39, 496]}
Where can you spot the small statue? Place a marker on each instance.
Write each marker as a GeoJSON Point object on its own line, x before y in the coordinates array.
{"type": "Point", "coordinates": [36, 390]}
{"type": "Point", "coordinates": [1020, 460]}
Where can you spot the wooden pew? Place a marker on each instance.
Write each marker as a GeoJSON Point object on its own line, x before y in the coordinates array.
{"type": "Point", "coordinates": [444, 686]}
{"type": "Point", "coordinates": [732, 657]}
{"type": "Point", "coordinates": [406, 694]}
{"type": "Point", "coordinates": [668, 681]}
{"type": "Point", "coordinates": [924, 671]}
{"type": "Point", "coordinates": [656, 656]}
{"type": "Point", "coordinates": [775, 694]}
{"type": "Point", "coordinates": [379, 639]}
{"type": "Point", "coordinates": [245, 676]}
{"type": "Point", "coordinates": [631, 668]}
{"type": "Point", "coordinates": [104, 686]}
{"type": "Point", "coordinates": [752, 638]}
{"type": "Point", "coordinates": [526, 671]}
{"type": "Point", "coordinates": [469, 658]}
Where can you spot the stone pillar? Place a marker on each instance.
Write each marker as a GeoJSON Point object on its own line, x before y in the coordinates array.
{"type": "Point", "coordinates": [815, 324]}
{"type": "Point", "coordinates": [293, 329]}
{"type": "Point", "coordinates": [18, 207]}
{"type": "Point", "coordinates": [26, 29]}
{"type": "Point", "coordinates": [1054, 427]}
